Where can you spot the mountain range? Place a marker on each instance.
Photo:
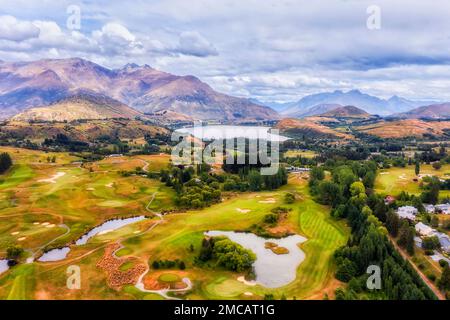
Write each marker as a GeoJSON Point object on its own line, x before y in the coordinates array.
{"type": "Point", "coordinates": [24, 85]}
{"type": "Point", "coordinates": [316, 104]}
{"type": "Point", "coordinates": [435, 111]}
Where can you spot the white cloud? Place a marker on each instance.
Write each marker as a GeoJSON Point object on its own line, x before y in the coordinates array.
{"type": "Point", "coordinates": [16, 30]}
{"type": "Point", "coordinates": [274, 49]}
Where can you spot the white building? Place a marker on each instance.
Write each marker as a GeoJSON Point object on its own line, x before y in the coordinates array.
{"type": "Point", "coordinates": [407, 212]}
{"type": "Point", "coordinates": [444, 208]}
{"type": "Point", "coordinates": [445, 241]}
{"type": "Point", "coordinates": [424, 230]}
{"type": "Point", "coordinates": [429, 208]}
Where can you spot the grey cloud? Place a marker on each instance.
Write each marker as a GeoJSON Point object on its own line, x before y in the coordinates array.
{"type": "Point", "coordinates": [194, 44]}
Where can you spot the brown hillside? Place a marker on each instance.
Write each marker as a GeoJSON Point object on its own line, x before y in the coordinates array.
{"type": "Point", "coordinates": [406, 128]}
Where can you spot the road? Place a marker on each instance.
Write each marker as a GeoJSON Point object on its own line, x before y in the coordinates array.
{"type": "Point", "coordinates": [427, 281]}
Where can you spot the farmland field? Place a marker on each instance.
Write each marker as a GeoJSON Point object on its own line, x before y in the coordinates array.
{"type": "Point", "coordinates": [395, 180]}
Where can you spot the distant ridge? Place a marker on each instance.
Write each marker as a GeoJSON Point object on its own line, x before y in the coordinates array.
{"type": "Point", "coordinates": [371, 104]}
{"type": "Point", "coordinates": [434, 111]}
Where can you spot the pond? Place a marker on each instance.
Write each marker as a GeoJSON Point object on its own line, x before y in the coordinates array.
{"type": "Point", "coordinates": [207, 133]}
{"type": "Point", "coordinates": [108, 226]}
{"type": "Point", "coordinates": [55, 255]}
{"type": "Point", "coordinates": [272, 270]}
{"type": "Point", "coordinates": [3, 265]}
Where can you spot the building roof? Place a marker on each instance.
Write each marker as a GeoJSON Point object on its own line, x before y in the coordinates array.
{"type": "Point", "coordinates": [423, 228]}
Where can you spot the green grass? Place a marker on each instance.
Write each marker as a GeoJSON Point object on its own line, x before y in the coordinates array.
{"type": "Point", "coordinates": [23, 283]}
{"type": "Point", "coordinates": [18, 174]}
{"type": "Point", "coordinates": [169, 278]}
{"type": "Point", "coordinates": [394, 180]}
{"type": "Point", "coordinates": [123, 252]}
{"type": "Point", "coordinates": [126, 266]}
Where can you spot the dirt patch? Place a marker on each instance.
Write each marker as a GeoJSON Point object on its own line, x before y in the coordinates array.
{"type": "Point", "coordinates": [275, 248]}
{"type": "Point", "coordinates": [111, 264]}
{"type": "Point", "coordinates": [42, 295]}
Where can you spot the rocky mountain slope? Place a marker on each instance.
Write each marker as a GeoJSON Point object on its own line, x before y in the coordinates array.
{"type": "Point", "coordinates": [80, 106]}
{"type": "Point", "coordinates": [24, 85]}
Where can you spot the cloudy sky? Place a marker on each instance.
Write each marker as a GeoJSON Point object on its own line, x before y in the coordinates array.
{"type": "Point", "coordinates": [272, 50]}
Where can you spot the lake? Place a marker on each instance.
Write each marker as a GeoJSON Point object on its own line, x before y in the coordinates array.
{"type": "Point", "coordinates": [108, 226]}
{"type": "Point", "coordinates": [272, 270]}
{"type": "Point", "coordinates": [55, 255]}
{"type": "Point", "coordinates": [208, 133]}
{"type": "Point", "coordinates": [3, 265]}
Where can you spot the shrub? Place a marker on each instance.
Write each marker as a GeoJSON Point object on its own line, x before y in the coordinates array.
{"type": "Point", "coordinates": [443, 263]}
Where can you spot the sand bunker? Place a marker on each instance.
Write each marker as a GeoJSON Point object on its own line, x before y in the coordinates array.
{"type": "Point", "coordinates": [15, 233]}
{"type": "Point", "coordinates": [243, 210]}
{"type": "Point", "coordinates": [248, 283]}
{"type": "Point", "coordinates": [248, 294]}
{"type": "Point", "coordinates": [36, 223]}
{"type": "Point", "coordinates": [50, 226]}
{"type": "Point", "coordinates": [109, 185]}
{"type": "Point", "coordinates": [90, 189]}
{"type": "Point", "coordinates": [53, 179]}
{"type": "Point", "coordinates": [21, 238]}
{"type": "Point", "coordinates": [383, 173]}
{"type": "Point", "coordinates": [45, 223]}
{"type": "Point", "coordinates": [268, 200]}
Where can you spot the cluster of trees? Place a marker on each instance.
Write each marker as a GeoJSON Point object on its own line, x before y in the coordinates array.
{"type": "Point", "coordinates": [5, 162]}
{"type": "Point", "coordinates": [334, 192]}
{"type": "Point", "coordinates": [368, 244]}
{"type": "Point", "coordinates": [227, 254]}
{"type": "Point", "coordinates": [195, 188]}
{"type": "Point", "coordinates": [252, 180]}
{"type": "Point", "coordinates": [168, 264]}
{"type": "Point", "coordinates": [65, 142]}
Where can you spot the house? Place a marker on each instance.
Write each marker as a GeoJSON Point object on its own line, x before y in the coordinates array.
{"type": "Point", "coordinates": [429, 208]}
{"type": "Point", "coordinates": [388, 200]}
{"type": "Point", "coordinates": [407, 212]}
{"type": "Point", "coordinates": [418, 242]}
{"type": "Point", "coordinates": [444, 241]}
{"type": "Point", "coordinates": [424, 230]}
{"type": "Point", "coordinates": [444, 208]}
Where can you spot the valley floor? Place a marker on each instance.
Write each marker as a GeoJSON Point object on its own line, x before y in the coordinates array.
{"type": "Point", "coordinates": [45, 205]}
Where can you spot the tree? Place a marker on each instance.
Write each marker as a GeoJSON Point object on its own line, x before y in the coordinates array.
{"type": "Point", "coordinates": [329, 193]}
{"type": "Point", "coordinates": [434, 221]}
{"type": "Point", "coordinates": [346, 270]}
{"type": "Point", "coordinates": [431, 243]}
{"type": "Point", "coordinates": [406, 237]}
{"type": "Point", "coordinates": [13, 252]}
{"type": "Point", "coordinates": [444, 282]}
{"type": "Point", "coordinates": [289, 198]}
{"type": "Point", "coordinates": [254, 180]}
{"type": "Point", "coordinates": [417, 168]}
{"type": "Point", "coordinates": [233, 256]}
{"type": "Point", "coordinates": [5, 162]}
{"type": "Point", "coordinates": [437, 165]}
